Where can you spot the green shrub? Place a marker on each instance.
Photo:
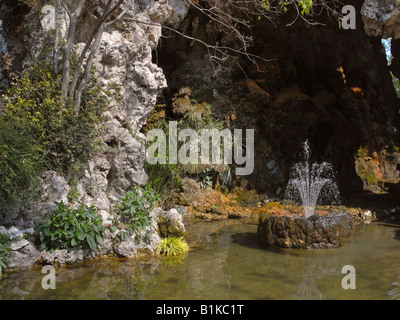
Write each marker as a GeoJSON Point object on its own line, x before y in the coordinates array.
{"type": "Point", "coordinates": [172, 246]}
{"type": "Point", "coordinates": [41, 131]}
{"type": "Point", "coordinates": [191, 120]}
{"type": "Point", "coordinates": [69, 228]}
{"type": "Point", "coordinates": [4, 261]}
{"type": "Point", "coordinates": [21, 161]}
{"type": "Point", "coordinates": [135, 207]}
{"type": "Point", "coordinates": [34, 107]}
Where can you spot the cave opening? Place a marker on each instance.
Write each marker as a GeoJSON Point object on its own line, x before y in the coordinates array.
{"type": "Point", "coordinates": [320, 84]}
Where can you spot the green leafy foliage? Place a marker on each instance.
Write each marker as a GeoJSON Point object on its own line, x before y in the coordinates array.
{"type": "Point", "coordinates": [4, 239]}
{"type": "Point", "coordinates": [135, 207]}
{"type": "Point", "coordinates": [305, 6]}
{"type": "Point", "coordinates": [71, 228]}
{"type": "Point", "coordinates": [172, 246]}
{"type": "Point", "coordinates": [40, 131]}
{"type": "Point", "coordinates": [191, 120]}
{"type": "Point", "coordinates": [265, 5]}
{"type": "Point", "coordinates": [396, 84]}
{"type": "Point", "coordinates": [21, 161]}
{"type": "Point", "coordinates": [34, 107]}
{"type": "Point", "coordinates": [166, 178]}
{"type": "Point", "coordinates": [4, 261]}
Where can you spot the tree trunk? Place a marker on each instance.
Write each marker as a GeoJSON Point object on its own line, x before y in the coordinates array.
{"type": "Point", "coordinates": [68, 48]}
{"type": "Point", "coordinates": [88, 67]}
{"type": "Point", "coordinates": [86, 49]}
{"type": "Point", "coordinates": [56, 37]}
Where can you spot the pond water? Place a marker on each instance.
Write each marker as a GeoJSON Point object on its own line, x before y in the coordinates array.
{"type": "Point", "coordinates": [230, 264]}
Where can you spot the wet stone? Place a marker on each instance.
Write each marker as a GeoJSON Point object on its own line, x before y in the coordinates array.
{"type": "Point", "coordinates": [330, 230]}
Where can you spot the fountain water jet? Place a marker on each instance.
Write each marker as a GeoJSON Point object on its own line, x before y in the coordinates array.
{"type": "Point", "coordinates": [319, 228]}
{"type": "Point", "coordinates": [310, 182]}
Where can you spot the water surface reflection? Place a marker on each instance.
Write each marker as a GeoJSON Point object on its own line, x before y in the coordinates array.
{"type": "Point", "coordinates": [231, 264]}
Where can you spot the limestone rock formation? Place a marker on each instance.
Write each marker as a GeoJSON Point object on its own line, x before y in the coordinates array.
{"type": "Point", "coordinates": [329, 85]}
{"type": "Point", "coordinates": [123, 61]}
{"type": "Point", "coordinates": [170, 223]}
{"type": "Point", "coordinates": [377, 171]}
{"type": "Point", "coordinates": [381, 18]}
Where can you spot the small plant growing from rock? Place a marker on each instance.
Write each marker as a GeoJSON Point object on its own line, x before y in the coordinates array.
{"type": "Point", "coordinates": [134, 210]}
{"type": "Point", "coordinates": [71, 228]}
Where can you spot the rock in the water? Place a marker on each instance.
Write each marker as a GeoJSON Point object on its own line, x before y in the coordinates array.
{"type": "Point", "coordinates": [144, 241]}
{"type": "Point", "coordinates": [170, 223]}
{"type": "Point", "coordinates": [66, 256]}
{"type": "Point", "coordinates": [24, 257]}
{"type": "Point", "coordinates": [316, 232]}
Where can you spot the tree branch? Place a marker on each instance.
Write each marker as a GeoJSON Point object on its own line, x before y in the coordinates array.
{"type": "Point", "coordinates": [86, 49]}
{"type": "Point", "coordinates": [121, 14]}
{"type": "Point", "coordinates": [56, 36]}
{"type": "Point", "coordinates": [88, 67]}
{"type": "Point", "coordinates": [101, 26]}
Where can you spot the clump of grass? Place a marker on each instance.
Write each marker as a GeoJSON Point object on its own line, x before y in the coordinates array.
{"type": "Point", "coordinates": [172, 246]}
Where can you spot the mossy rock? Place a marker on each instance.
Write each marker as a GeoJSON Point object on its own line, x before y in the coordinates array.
{"type": "Point", "coordinates": [274, 208]}
{"type": "Point", "coordinates": [316, 232]}
{"type": "Point", "coordinates": [181, 105]}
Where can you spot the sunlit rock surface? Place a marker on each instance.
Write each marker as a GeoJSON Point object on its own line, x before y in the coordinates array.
{"type": "Point", "coordinates": [320, 231]}
{"type": "Point", "coordinates": [381, 18]}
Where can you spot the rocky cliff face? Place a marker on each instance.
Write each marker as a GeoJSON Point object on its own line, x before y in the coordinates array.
{"type": "Point", "coordinates": [381, 18]}
{"type": "Point", "coordinates": [324, 84]}
{"type": "Point", "coordinates": [379, 169]}
{"type": "Point", "coordinates": [124, 59]}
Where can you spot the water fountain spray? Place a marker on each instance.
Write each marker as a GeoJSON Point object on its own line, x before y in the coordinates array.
{"type": "Point", "coordinates": [310, 183]}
